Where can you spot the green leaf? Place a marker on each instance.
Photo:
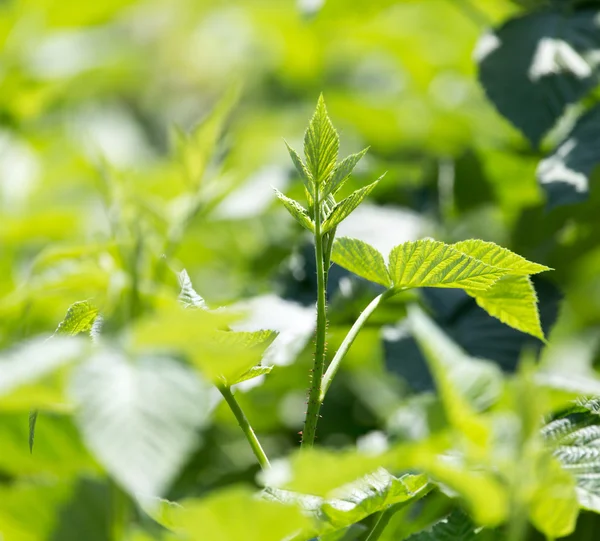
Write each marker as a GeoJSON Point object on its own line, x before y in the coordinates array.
{"type": "Point", "coordinates": [343, 171]}
{"type": "Point", "coordinates": [344, 208]}
{"type": "Point", "coordinates": [533, 66]}
{"type": "Point", "coordinates": [235, 514]}
{"type": "Point", "coordinates": [553, 505]}
{"type": "Point", "coordinates": [565, 174]}
{"type": "Point", "coordinates": [361, 259]}
{"type": "Point", "coordinates": [80, 318]}
{"type": "Point", "coordinates": [429, 263]}
{"type": "Point", "coordinates": [465, 385]}
{"type": "Point", "coordinates": [321, 145]}
{"type": "Point", "coordinates": [302, 171]}
{"type": "Point", "coordinates": [492, 254]}
{"type": "Point", "coordinates": [254, 372]}
{"type": "Point", "coordinates": [188, 295]}
{"type": "Point", "coordinates": [297, 211]}
{"type": "Point", "coordinates": [33, 415]}
{"type": "Point", "coordinates": [513, 301]}
{"type": "Point", "coordinates": [574, 438]}
{"type": "Point", "coordinates": [370, 494]}
{"type": "Point", "coordinates": [140, 417]}
{"type": "Point", "coordinates": [456, 527]}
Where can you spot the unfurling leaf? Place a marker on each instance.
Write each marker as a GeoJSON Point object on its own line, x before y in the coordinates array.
{"type": "Point", "coordinates": [513, 301]}
{"type": "Point", "coordinates": [297, 211]}
{"type": "Point", "coordinates": [321, 145]}
{"type": "Point", "coordinates": [429, 263]}
{"type": "Point", "coordinates": [361, 259]}
{"type": "Point", "coordinates": [344, 208]}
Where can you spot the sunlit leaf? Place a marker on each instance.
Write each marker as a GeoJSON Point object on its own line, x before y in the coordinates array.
{"type": "Point", "coordinates": [343, 171]}
{"type": "Point", "coordinates": [321, 144]}
{"type": "Point", "coordinates": [492, 254]}
{"type": "Point", "coordinates": [429, 263]}
{"type": "Point", "coordinates": [361, 259]}
{"type": "Point", "coordinates": [371, 494]}
{"type": "Point", "coordinates": [513, 301]}
{"type": "Point", "coordinates": [299, 213]}
{"type": "Point", "coordinates": [188, 295]}
{"type": "Point", "coordinates": [80, 318]}
{"type": "Point", "coordinates": [254, 372]}
{"type": "Point", "coordinates": [139, 416]}
{"type": "Point", "coordinates": [248, 518]}
{"type": "Point", "coordinates": [344, 208]}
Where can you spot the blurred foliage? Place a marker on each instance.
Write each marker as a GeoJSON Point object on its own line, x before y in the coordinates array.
{"type": "Point", "coordinates": [141, 138]}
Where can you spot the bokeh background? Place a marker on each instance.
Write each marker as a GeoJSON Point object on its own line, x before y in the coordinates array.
{"type": "Point", "coordinates": [97, 101]}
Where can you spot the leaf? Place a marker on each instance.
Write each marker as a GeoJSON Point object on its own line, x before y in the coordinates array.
{"type": "Point", "coordinates": [254, 372]}
{"type": "Point", "coordinates": [492, 254]}
{"type": "Point", "coordinates": [371, 494]}
{"type": "Point", "coordinates": [361, 259]}
{"type": "Point", "coordinates": [465, 385]}
{"type": "Point", "coordinates": [456, 527]}
{"type": "Point", "coordinates": [80, 318]}
{"type": "Point", "coordinates": [297, 211]}
{"type": "Point", "coordinates": [565, 174]}
{"type": "Point", "coordinates": [533, 66]}
{"type": "Point", "coordinates": [140, 417]}
{"type": "Point", "coordinates": [553, 507]}
{"type": "Point", "coordinates": [188, 295]}
{"type": "Point", "coordinates": [429, 263]}
{"type": "Point", "coordinates": [344, 208]}
{"type": "Point", "coordinates": [321, 145]}
{"type": "Point", "coordinates": [235, 514]}
{"type": "Point", "coordinates": [513, 301]}
{"type": "Point", "coordinates": [343, 171]}
{"type": "Point", "coordinates": [574, 439]}
{"type": "Point", "coordinates": [302, 171]}
{"type": "Point", "coordinates": [197, 148]}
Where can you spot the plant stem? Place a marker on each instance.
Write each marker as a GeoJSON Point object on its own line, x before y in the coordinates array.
{"type": "Point", "coordinates": [119, 515]}
{"type": "Point", "coordinates": [383, 518]}
{"type": "Point", "coordinates": [350, 337]}
{"type": "Point", "coordinates": [314, 404]}
{"type": "Point", "coordinates": [245, 426]}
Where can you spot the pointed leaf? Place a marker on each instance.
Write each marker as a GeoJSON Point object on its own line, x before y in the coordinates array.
{"type": "Point", "coordinates": [429, 263]}
{"type": "Point", "coordinates": [139, 417]}
{"type": "Point", "coordinates": [188, 295]}
{"type": "Point", "coordinates": [254, 372]}
{"type": "Point", "coordinates": [321, 144]}
{"type": "Point", "coordinates": [297, 211]}
{"type": "Point", "coordinates": [371, 494]}
{"type": "Point", "coordinates": [565, 174]}
{"type": "Point", "coordinates": [302, 171]}
{"type": "Point", "coordinates": [343, 171]}
{"type": "Point", "coordinates": [80, 318]}
{"type": "Point", "coordinates": [492, 254]}
{"type": "Point", "coordinates": [344, 208]}
{"type": "Point", "coordinates": [33, 415]}
{"type": "Point", "coordinates": [361, 259]}
{"type": "Point", "coordinates": [512, 300]}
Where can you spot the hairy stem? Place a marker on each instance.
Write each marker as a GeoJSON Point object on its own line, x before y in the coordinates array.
{"type": "Point", "coordinates": [350, 337]}
{"type": "Point", "coordinates": [245, 426]}
{"type": "Point", "coordinates": [314, 403]}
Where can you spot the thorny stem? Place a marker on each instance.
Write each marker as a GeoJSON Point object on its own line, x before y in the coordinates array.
{"type": "Point", "coordinates": [245, 426]}
{"type": "Point", "coordinates": [314, 403]}
{"type": "Point", "coordinates": [350, 337]}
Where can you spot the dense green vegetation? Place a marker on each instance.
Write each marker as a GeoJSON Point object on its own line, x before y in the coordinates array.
{"type": "Point", "coordinates": [207, 336]}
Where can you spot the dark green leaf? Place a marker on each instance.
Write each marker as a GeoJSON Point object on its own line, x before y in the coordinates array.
{"type": "Point", "coordinates": [565, 174]}
{"type": "Point", "coordinates": [533, 66]}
